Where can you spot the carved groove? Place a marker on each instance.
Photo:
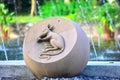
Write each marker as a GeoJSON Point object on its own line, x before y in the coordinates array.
{"type": "Point", "coordinates": [55, 40]}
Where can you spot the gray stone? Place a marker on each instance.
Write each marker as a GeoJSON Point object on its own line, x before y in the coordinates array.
{"type": "Point", "coordinates": [21, 72]}
{"type": "Point", "coordinates": [17, 71]}
{"type": "Point", "coordinates": [102, 71]}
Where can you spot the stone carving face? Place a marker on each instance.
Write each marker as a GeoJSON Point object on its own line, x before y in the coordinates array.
{"type": "Point", "coordinates": [46, 31]}
{"type": "Point", "coordinates": [56, 42]}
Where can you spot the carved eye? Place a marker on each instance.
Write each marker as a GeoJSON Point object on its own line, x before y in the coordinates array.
{"type": "Point", "coordinates": [45, 30]}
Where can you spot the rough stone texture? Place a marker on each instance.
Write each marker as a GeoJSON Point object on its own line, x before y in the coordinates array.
{"type": "Point", "coordinates": [17, 71]}
{"type": "Point", "coordinates": [102, 71]}
{"type": "Point", "coordinates": [21, 72]}
{"type": "Point", "coordinates": [68, 63]}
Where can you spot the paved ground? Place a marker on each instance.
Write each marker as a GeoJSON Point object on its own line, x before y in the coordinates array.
{"type": "Point", "coordinates": [81, 77]}
{"type": "Point", "coordinates": [100, 71]}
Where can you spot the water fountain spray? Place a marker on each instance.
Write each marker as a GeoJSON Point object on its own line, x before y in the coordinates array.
{"type": "Point", "coordinates": [87, 25]}
{"type": "Point", "coordinates": [18, 28]}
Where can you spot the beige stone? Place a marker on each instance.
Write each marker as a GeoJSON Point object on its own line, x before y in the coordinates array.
{"type": "Point", "coordinates": [70, 62]}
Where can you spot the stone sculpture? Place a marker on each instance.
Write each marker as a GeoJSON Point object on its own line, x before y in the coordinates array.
{"type": "Point", "coordinates": [56, 42]}
{"type": "Point", "coordinates": [56, 47]}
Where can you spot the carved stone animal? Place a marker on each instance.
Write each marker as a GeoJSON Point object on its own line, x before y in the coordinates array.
{"type": "Point", "coordinates": [56, 42]}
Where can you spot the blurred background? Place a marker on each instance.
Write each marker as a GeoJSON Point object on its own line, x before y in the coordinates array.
{"type": "Point", "coordinates": [100, 19]}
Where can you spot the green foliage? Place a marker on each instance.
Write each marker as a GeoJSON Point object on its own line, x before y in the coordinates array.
{"type": "Point", "coordinates": [58, 8]}
{"type": "Point", "coordinates": [108, 14]}
{"type": "Point", "coordinates": [116, 16]}
{"type": "Point", "coordinates": [5, 16]}
{"type": "Point", "coordinates": [27, 19]}
{"type": "Point", "coordinates": [100, 28]}
{"type": "Point", "coordinates": [5, 20]}
{"type": "Point", "coordinates": [86, 10]}
{"type": "Point", "coordinates": [104, 14]}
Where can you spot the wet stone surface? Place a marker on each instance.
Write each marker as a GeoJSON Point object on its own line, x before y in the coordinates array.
{"type": "Point", "coordinates": [13, 50]}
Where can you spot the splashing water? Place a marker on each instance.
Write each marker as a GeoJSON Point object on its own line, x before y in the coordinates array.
{"type": "Point", "coordinates": [18, 29]}
{"type": "Point", "coordinates": [87, 25]}
{"type": "Point", "coordinates": [111, 22]}
{"type": "Point", "coordinates": [4, 48]}
{"type": "Point", "coordinates": [39, 8]}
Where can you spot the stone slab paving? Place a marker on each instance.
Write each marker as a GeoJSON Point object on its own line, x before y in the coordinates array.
{"type": "Point", "coordinates": [80, 77]}
{"type": "Point", "coordinates": [18, 71]}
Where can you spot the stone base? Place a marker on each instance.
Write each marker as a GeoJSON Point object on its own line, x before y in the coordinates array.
{"type": "Point", "coordinates": [21, 72]}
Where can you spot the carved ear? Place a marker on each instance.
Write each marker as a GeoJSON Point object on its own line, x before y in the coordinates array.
{"type": "Point", "coordinates": [50, 27]}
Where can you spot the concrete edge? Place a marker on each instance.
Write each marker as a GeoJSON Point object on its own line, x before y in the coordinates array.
{"type": "Point", "coordinates": [19, 70]}
{"type": "Point", "coordinates": [90, 63]}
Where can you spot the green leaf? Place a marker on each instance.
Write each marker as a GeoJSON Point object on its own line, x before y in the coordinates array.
{"type": "Point", "coordinates": [1, 19]}
{"type": "Point", "coordinates": [5, 11]}
{"type": "Point", "coordinates": [117, 24]}
{"type": "Point", "coordinates": [111, 28]}
{"type": "Point", "coordinates": [100, 29]}
{"type": "Point", "coordinates": [12, 13]}
{"type": "Point", "coordinates": [2, 6]}
{"type": "Point", "coordinates": [5, 28]}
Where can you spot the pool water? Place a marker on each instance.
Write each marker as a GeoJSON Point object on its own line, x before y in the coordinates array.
{"type": "Point", "coordinates": [107, 51]}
